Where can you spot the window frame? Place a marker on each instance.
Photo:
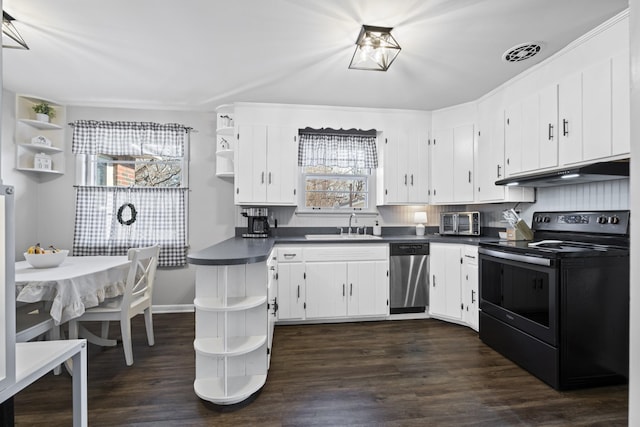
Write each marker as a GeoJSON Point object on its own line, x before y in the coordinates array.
{"type": "Point", "coordinates": [370, 194]}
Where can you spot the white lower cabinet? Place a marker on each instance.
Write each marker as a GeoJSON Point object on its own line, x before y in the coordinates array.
{"type": "Point", "coordinates": [291, 283]}
{"type": "Point", "coordinates": [231, 331]}
{"type": "Point", "coordinates": [334, 282]}
{"type": "Point", "coordinates": [470, 279]}
{"type": "Point", "coordinates": [453, 293]}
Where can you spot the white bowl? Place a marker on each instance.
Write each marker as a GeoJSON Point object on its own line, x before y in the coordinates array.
{"type": "Point", "coordinates": [47, 260]}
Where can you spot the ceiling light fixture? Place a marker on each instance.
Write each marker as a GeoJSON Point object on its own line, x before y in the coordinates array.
{"type": "Point", "coordinates": [375, 49]}
{"type": "Point", "coordinates": [13, 39]}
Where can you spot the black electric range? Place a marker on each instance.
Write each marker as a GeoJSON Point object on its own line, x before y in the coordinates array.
{"type": "Point", "coordinates": [559, 305]}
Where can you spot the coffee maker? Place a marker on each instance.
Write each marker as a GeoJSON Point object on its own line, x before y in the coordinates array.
{"type": "Point", "coordinates": [258, 224]}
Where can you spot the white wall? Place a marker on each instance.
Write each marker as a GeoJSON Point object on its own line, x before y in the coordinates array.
{"type": "Point", "coordinates": [45, 210]}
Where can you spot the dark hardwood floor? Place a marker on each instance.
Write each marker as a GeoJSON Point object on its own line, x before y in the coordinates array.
{"type": "Point", "coordinates": [394, 373]}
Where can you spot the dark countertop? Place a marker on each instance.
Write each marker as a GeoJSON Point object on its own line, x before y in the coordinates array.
{"type": "Point", "coordinates": [238, 250]}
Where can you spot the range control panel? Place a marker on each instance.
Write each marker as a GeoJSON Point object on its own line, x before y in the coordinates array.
{"type": "Point", "coordinates": [610, 222]}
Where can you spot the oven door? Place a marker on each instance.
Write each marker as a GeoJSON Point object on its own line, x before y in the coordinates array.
{"type": "Point", "coordinates": [521, 291]}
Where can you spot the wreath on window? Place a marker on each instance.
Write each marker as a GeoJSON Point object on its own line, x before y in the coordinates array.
{"type": "Point", "coordinates": [134, 213]}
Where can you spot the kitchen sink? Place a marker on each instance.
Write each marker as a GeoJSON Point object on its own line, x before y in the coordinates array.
{"type": "Point", "coordinates": [341, 237]}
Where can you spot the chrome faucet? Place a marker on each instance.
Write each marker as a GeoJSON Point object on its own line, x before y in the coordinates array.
{"type": "Point", "coordinates": [352, 216]}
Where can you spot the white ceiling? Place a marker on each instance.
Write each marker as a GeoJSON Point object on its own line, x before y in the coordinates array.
{"type": "Point", "coordinates": [198, 54]}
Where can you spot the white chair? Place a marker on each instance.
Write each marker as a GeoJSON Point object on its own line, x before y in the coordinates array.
{"type": "Point", "coordinates": [136, 300]}
{"type": "Point", "coordinates": [32, 321]}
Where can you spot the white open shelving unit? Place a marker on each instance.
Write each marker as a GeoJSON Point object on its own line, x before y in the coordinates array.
{"type": "Point", "coordinates": [27, 128]}
{"type": "Point", "coordinates": [224, 141]}
{"type": "Point", "coordinates": [231, 332]}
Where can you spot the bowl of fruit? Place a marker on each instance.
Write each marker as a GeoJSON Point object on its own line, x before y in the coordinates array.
{"type": "Point", "coordinates": [39, 257]}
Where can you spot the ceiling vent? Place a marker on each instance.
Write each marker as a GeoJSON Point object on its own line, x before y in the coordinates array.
{"type": "Point", "coordinates": [522, 51]}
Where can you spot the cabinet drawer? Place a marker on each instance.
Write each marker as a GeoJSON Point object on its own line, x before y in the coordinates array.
{"type": "Point", "coordinates": [346, 252]}
{"type": "Point", "coordinates": [290, 254]}
{"type": "Point", "coordinates": [470, 254]}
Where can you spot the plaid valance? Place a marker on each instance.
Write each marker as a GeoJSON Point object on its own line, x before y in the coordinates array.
{"type": "Point", "coordinates": [341, 149]}
{"type": "Point", "coordinates": [128, 138]}
{"type": "Point", "coordinates": [110, 220]}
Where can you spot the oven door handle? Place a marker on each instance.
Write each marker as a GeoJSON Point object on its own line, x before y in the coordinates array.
{"type": "Point", "coordinates": [517, 257]}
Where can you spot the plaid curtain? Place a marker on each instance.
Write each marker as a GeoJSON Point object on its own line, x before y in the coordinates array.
{"type": "Point", "coordinates": [110, 220]}
{"type": "Point", "coordinates": [128, 138]}
{"type": "Point", "coordinates": [348, 151]}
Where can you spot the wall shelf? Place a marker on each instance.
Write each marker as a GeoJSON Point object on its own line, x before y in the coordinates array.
{"type": "Point", "coordinates": [28, 128]}
{"type": "Point", "coordinates": [225, 132]}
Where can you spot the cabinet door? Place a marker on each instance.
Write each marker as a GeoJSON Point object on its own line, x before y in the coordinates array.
{"type": "Point", "coordinates": [442, 166]}
{"type": "Point", "coordinates": [393, 189]}
{"type": "Point", "coordinates": [490, 156]}
{"type": "Point", "coordinates": [282, 155]}
{"type": "Point", "coordinates": [469, 279]}
{"type": "Point", "coordinates": [445, 291]}
{"type": "Point", "coordinates": [368, 288]}
{"type": "Point", "coordinates": [251, 164]}
{"type": "Point", "coordinates": [570, 119]}
{"type": "Point", "coordinates": [463, 163]}
{"type": "Point", "coordinates": [291, 291]}
{"type": "Point", "coordinates": [548, 128]}
{"type": "Point", "coordinates": [596, 111]}
{"type": "Point", "coordinates": [621, 104]}
{"type": "Point", "coordinates": [417, 158]}
{"type": "Point", "coordinates": [530, 134]}
{"type": "Point", "coordinates": [326, 289]}
{"type": "Point", "coordinates": [513, 139]}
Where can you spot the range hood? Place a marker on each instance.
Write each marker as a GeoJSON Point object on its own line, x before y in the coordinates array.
{"type": "Point", "coordinates": [603, 171]}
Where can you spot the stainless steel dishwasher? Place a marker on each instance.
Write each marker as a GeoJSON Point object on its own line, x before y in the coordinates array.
{"type": "Point", "coordinates": [409, 277]}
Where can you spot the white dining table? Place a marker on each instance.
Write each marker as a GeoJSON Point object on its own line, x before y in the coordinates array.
{"type": "Point", "coordinates": [80, 282]}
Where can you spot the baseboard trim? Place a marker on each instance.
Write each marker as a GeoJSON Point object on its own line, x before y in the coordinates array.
{"type": "Point", "coordinates": [173, 308]}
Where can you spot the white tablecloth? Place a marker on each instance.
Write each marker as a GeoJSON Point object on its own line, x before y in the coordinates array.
{"type": "Point", "coordinates": [76, 284]}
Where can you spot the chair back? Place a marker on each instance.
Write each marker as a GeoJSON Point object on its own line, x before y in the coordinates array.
{"type": "Point", "coordinates": [142, 273]}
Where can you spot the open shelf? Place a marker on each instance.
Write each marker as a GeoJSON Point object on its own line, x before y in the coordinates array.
{"type": "Point", "coordinates": [232, 303]}
{"type": "Point", "coordinates": [238, 388]}
{"type": "Point", "coordinates": [41, 125]}
{"type": "Point", "coordinates": [235, 345]}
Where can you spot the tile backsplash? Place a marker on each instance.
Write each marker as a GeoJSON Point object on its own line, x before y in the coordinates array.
{"type": "Point", "coordinates": [598, 195]}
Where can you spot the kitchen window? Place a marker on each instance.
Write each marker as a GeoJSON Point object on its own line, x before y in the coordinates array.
{"type": "Point", "coordinates": [132, 188]}
{"type": "Point", "coordinates": [337, 170]}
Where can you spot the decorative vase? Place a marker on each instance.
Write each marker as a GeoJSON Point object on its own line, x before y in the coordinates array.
{"type": "Point", "coordinates": [42, 117]}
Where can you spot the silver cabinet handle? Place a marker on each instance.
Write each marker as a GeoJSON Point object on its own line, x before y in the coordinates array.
{"type": "Point", "coordinates": [298, 291]}
{"type": "Point", "coordinates": [473, 296]}
{"type": "Point", "coordinates": [550, 132]}
{"type": "Point", "coordinates": [411, 179]}
{"type": "Point", "coordinates": [343, 289]}
{"type": "Point", "coordinates": [405, 179]}
{"type": "Point", "coordinates": [565, 127]}
{"type": "Point", "coordinates": [499, 167]}
{"type": "Point", "coordinates": [434, 280]}
{"type": "Point", "coordinates": [289, 256]}
{"type": "Point", "coordinates": [350, 289]}
{"type": "Point", "coordinates": [269, 177]}
{"type": "Point", "coordinates": [262, 178]}
{"type": "Point", "coordinates": [469, 176]}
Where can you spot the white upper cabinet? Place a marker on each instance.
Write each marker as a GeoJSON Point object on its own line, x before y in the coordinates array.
{"type": "Point", "coordinates": [621, 104]}
{"type": "Point", "coordinates": [547, 141]}
{"type": "Point", "coordinates": [403, 177]}
{"type": "Point", "coordinates": [265, 165]}
{"type": "Point", "coordinates": [452, 164]}
{"type": "Point", "coordinates": [491, 160]}
{"type": "Point", "coordinates": [442, 166]}
{"type": "Point", "coordinates": [513, 139]}
{"type": "Point", "coordinates": [463, 173]}
{"type": "Point", "coordinates": [594, 112]}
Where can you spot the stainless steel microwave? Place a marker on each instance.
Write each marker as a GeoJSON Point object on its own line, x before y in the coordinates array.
{"type": "Point", "coordinates": [460, 223]}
